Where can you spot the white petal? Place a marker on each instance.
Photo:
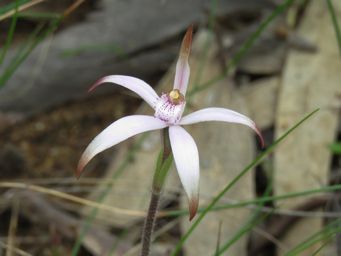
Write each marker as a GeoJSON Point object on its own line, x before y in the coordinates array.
{"type": "Point", "coordinates": [186, 159]}
{"type": "Point", "coordinates": [182, 67]}
{"type": "Point", "coordinates": [144, 90]}
{"type": "Point", "coordinates": [220, 114]}
{"type": "Point", "coordinates": [182, 75]}
{"type": "Point", "coordinates": [117, 132]}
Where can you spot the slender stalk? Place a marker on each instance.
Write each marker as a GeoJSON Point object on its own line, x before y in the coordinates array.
{"type": "Point", "coordinates": [335, 23]}
{"type": "Point", "coordinates": [149, 223]}
{"type": "Point", "coordinates": [162, 168]}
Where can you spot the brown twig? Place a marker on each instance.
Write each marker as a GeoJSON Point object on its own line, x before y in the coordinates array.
{"type": "Point", "coordinates": [72, 7]}
{"type": "Point", "coordinates": [69, 197]}
{"type": "Point", "coordinates": [98, 241]}
{"type": "Point", "coordinates": [12, 228]}
{"type": "Point", "coordinates": [21, 8]}
{"type": "Point", "coordinates": [18, 251]}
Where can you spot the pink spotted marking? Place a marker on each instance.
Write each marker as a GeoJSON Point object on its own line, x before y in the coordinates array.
{"type": "Point", "coordinates": [167, 111]}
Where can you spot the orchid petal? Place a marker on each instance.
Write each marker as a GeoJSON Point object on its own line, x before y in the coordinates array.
{"type": "Point", "coordinates": [117, 132]}
{"type": "Point", "coordinates": [144, 90]}
{"type": "Point", "coordinates": [182, 67]}
{"type": "Point", "coordinates": [220, 114]}
{"type": "Point", "coordinates": [186, 159]}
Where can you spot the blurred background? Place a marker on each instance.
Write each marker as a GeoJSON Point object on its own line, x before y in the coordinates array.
{"type": "Point", "coordinates": [275, 61]}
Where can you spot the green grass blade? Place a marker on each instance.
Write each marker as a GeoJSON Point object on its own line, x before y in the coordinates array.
{"type": "Point", "coordinates": [335, 23]}
{"type": "Point", "coordinates": [235, 180]}
{"type": "Point", "coordinates": [244, 48]}
{"type": "Point", "coordinates": [265, 199]}
{"type": "Point", "coordinates": [256, 218]}
{"type": "Point", "coordinates": [19, 55]}
{"type": "Point", "coordinates": [216, 253]}
{"type": "Point", "coordinates": [27, 48]}
{"type": "Point", "coordinates": [10, 33]}
{"type": "Point", "coordinates": [323, 245]}
{"type": "Point", "coordinates": [326, 233]}
{"type": "Point", "coordinates": [12, 6]}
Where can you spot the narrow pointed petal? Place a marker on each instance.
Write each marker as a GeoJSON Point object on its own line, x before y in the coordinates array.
{"type": "Point", "coordinates": [186, 159]}
{"type": "Point", "coordinates": [117, 132]}
{"type": "Point", "coordinates": [182, 67]}
{"type": "Point", "coordinates": [144, 90]}
{"type": "Point", "coordinates": [193, 207]}
{"type": "Point", "coordinates": [220, 114]}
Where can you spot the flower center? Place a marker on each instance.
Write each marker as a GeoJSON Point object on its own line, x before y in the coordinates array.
{"type": "Point", "coordinates": [176, 97]}
{"type": "Point", "coordinates": [170, 107]}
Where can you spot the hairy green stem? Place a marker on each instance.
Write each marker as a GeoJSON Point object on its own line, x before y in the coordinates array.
{"type": "Point", "coordinates": [149, 223]}
{"type": "Point", "coordinates": [162, 167]}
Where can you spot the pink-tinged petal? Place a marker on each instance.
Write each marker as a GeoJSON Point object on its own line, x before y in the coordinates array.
{"type": "Point", "coordinates": [182, 67]}
{"type": "Point", "coordinates": [220, 114]}
{"type": "Point", "coordinates": [144, 90]}
{"type": "Point", "coordinates": [117, 132]}
{"type": "Point", "coordinates": [186, 159]}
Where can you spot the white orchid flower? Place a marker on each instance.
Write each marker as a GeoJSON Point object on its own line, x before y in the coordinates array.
{"type": "Point", "coordinates": [168, 114]}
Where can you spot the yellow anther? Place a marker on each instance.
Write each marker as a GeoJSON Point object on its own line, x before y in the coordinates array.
{"type": "Point", "coordinates": [176, 97]}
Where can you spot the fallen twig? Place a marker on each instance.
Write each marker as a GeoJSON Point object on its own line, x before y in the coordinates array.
{"type": "Point", "coordinates": [97, 241]}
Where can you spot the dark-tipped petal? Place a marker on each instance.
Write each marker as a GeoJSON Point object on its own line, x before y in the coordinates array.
{"type": "Point", "coordinates": [182, 72]}
{"type": "Point", "coordinates": [193, 203]}
{"type": "Point", "coordinates": [220, 114]}
{"type": "Point", "coordinates": [81, 164]}
{"type": "Point", "coordinates": [260, 136]}
{"type": "Point", "coordinates": [186, 158]}
{"type": "Point", "coordinates": [187, 43]}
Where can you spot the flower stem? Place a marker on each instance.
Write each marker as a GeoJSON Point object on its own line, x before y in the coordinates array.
{"type": "Point", "coordinates": [149, 224]}
{"type": "Point", "coordinates": [163, 165]}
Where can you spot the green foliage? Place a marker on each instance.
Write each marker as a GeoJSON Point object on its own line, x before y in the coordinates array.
{"type": "Point", "coordinates": [264, 199]}
{"type": "Point", "coordinates": [325, 234]}
{"type": "Point", "coordinates": [37, 36]}
{"type": "Point", "coordinates": [10, 32]}
{"type": "Point", "coordinates": [256, 218]}
{"type": "Point", "coordinates": [335, 148]}
{"type": "Point", "coordinates": [12, 6]}
{"type": "Point", "coordinates": [162, 168]}
{"type": "Point", "coordinates": [335, 23]}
